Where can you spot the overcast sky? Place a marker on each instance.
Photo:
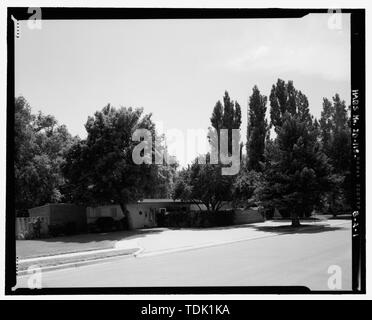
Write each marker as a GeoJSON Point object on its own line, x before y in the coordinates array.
{"type": "Point", "coordinates": [176, 69]}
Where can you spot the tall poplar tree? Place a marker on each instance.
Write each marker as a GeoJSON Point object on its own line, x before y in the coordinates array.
{"type": "Point", "coordinates": [226, 116]}
{"type": "Point", "coordinates": [256, 129]}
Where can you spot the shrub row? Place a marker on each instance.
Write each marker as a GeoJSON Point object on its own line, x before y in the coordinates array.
{"type": "Point", "coordinates": [196, 219]}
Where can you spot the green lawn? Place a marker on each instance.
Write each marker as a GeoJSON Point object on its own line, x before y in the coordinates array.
{"type": "Point", "coordinates": [69, 244]}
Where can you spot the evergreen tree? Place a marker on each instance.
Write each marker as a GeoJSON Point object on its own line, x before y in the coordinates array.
{"type": "Point", "coordinates": [296, 172]}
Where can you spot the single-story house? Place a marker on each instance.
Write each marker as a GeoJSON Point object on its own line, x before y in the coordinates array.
{"type": "Point", "coordinates": [135, 216]}
{"type": "Point", "coordinates": [141, 214]}
{"type": "Point", "coordinates": [149, 213]}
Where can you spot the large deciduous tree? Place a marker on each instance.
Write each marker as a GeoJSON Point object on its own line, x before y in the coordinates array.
{"type": "Point", "coordinates": [204, 184]}
{"type": "Point", "coordinates": [101, 169]}
{"type": "Point", "coordinates": [40, 145]}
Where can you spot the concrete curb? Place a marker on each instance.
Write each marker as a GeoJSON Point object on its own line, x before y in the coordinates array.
{"type": "Point", "coordinates": [67, 255]}
{"type": "Point", "coordinates": [76, 264]}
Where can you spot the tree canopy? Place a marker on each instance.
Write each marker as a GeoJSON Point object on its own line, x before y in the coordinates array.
{"type": "Point", "coordinates": [101, 170]}
{"type": "Point", "coordinates": [40, 146]}
{"type": "Point", "coordinates": [204, 184]}
{"type": "Point", "coordinates": [296, 172]}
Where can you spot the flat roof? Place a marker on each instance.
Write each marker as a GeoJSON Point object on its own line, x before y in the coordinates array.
{"type": "Point", "coordinates": [163, 201]}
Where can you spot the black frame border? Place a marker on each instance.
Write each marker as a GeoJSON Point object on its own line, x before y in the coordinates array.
{"type": "Point", "coordinates": [358, 141]}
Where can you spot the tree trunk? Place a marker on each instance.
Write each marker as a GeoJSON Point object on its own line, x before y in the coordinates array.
{"type": "Point", "coordinates": [334, 214]}
{"type": "Point", "coordinates": [127, 215]}
{"type": "Point", "coordinates": [295, 219]}
{"type": "Point", "coordinates": [195, 202]}
{"type": "Point", "coordinates": [206, 215]}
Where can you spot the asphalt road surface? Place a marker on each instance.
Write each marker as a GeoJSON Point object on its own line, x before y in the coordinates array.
{"type": "Point", "coordinates": [302, 259]}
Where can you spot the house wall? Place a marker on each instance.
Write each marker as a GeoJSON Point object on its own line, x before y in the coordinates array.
{"type": "Point", "coordinates": [142, 215]}
{"type": "Point", "coordinates": [42, 211]}
{"type": "Point", "coordinates": [64, 213]}
{"type": "Point", "coordinates": [61, 213]}
{"type": "Point", "coordinates": [113, 211]}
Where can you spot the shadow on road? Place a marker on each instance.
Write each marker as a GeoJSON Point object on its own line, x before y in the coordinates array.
{"type": "Point", "coordinates": [343, 217]}
{"type": "Point", "coordinates": [303, 229]}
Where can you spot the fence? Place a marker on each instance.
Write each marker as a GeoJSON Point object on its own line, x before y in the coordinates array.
{"type": "Point", "coordinates": [25, 227]}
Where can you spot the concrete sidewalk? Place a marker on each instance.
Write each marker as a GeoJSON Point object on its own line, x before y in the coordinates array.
{"type": "Point", "coordinates": [174, 240]}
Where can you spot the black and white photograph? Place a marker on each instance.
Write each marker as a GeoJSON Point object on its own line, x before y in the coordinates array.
{"type": "Point", "coordinates": [166, 151]}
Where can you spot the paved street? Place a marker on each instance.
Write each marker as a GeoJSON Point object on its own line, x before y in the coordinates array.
{"type": "Point", "coordinates": [301, 258]}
